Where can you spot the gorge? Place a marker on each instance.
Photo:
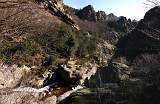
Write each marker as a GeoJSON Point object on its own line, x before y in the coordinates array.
{"type": "Point", "coordinates": [51, 53]}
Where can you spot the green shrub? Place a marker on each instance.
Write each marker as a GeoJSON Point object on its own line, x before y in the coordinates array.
{"type": "Point", "coordinates": [87, 44]}
{"type": "Point", "coordinates": [19, 52]}
{"type": "Point", "coordinates": [76, 43]}
{"type": "Point", "coordinates": [66, 43]}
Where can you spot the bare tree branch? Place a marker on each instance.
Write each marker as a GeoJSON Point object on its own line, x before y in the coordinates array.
{"type": "Point", "coordinates": [151, 3]}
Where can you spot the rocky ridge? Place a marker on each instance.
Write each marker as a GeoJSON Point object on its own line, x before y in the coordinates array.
{"type": "Point", "coordinates": [88, 13]}
{"type": "Point", "coordinates": [120, 74]}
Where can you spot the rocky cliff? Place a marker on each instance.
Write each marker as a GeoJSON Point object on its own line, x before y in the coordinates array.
{"type": "Point", "coordinates": [108, 26]}
{"type": "Point", "coordinates": [88, 13]}
{"type": "Point", "coordinates": [140, 50]}
{"type": "Point", "coordinates": [143, 39]}
{"type": "Point", "coordinates": [52, 53]}
{"type": "Point", "coordinates": [132, 75]}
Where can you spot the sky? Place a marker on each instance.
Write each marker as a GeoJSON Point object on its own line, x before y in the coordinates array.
{"type": "Point", "coordinates": [133, 9]}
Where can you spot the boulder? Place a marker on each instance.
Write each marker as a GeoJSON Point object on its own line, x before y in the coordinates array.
{"type": "Point", "coordinates": [69, 75]}
{"type": "Point", "coordinates": [74, 73]}
{"type": "Point", "coordinates": [11, 76]}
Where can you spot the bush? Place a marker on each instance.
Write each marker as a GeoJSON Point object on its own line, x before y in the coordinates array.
{"type": "Point", "coordinates": [76, 43]}
{"type": "Point", "coordinates": [66, 41]}
{"type": "Point", "coordinates": [87, 43]}
{"type": "Point", "coordinates": [12, 52]}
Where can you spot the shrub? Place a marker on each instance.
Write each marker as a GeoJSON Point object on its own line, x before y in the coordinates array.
{"type": "Point", "coordinates": [76, 43]}
{"type": "Point", "coordinates": [66, 41]}
{"type": "Point", "coordinates": [87, 43]}
{"type": "Point", "coordinates": [12, 52]}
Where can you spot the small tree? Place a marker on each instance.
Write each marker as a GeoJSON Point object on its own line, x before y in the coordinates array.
{"type": "Point", "coordinates": [151, 3]}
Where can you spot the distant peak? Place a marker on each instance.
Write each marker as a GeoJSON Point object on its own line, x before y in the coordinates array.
{"type": "Point", "coordinates": [89, 7]}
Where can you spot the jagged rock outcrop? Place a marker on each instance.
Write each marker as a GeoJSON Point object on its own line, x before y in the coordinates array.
{"type": "Point", "coordinates": [140, 48]}
{"type": "Point", "coordinates": [88, 13]}
{"type": "Point", "coordinates": [56, 7]}
{"type": "Point", "coordinates": [11, 76]}
{"type": "Point", "coordinates": [151, 18]}
{"type": "Point", "coordinates": [76, 74]}
{"type": "Point", "coordinates": [101, 16]}
{"type": "Point", "coordinates": [122, 24]}
{"type": "Point", "coordinates": [111, 17]}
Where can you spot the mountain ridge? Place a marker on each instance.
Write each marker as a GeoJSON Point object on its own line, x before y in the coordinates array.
{"type": "Point", "coordinates": [54, 50]}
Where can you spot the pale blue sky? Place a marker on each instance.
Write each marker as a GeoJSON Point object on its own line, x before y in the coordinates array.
{"type": "Point", "coordinates": [133, 9]}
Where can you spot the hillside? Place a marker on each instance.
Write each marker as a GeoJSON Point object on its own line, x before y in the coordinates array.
{"type": "Point", "coordinates": [42, 45]}
{"type": "Point", "coordinates": [52, 53]}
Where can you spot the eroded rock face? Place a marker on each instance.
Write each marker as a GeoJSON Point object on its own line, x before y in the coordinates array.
{"type": "Point", "coordinates": [56, 7]}
{"type": "Point", "coordinates": [122, 24]}
{"type": "Point", "coordinates": [11, 90]}
{"type": "Point", "coordinates": [74, 73]}
{"type": "Point", "coordinates": [10, 76]}
{"type": "Point", "coordinates": [87, 13]}
{"type": "Point", "coordinates": [101, 16]}
{"type": "Point", "coordinates": [112, 17]}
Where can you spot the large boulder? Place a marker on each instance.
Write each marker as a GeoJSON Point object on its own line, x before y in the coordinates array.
{"type": "Point", "coordinates": [74, 73]}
